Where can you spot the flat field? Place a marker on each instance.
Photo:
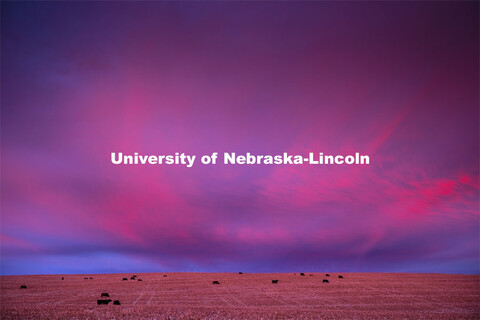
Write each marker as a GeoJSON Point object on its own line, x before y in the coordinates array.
{"type": "Point", "coordinates": [242, 296]}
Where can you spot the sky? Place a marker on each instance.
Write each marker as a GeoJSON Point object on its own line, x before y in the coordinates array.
{"type": "Point", "coordinates": [397, 81]}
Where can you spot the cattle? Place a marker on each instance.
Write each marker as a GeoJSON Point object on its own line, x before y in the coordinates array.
{"type": "Point", "coordinates": [325, 281]}
{"type": "Point", "coordinates": [340, 277]}
{"type": "Point", "coordinates": [103, 301]}
{"type": "Point", "coordinates": [105, 294]}
{"type": "Point", "coordinates": [139, 279]}
{"type": "Point", "coordinates": [327, 275]}
{"type": "Point", "coordinates": [132, 278]}
{"type": "Point", "coordinates": [240, 273]}
{"type": "Point", "coordinates": [302, 274]}
{"type": "Point", "coordinates": [215, 282]}
{"type": "Point", "coordinates": [23, 287]}
{"type": "Point", "coordinates": [311, 275]}
{"type": "Point", "coordinates": [90, 278]}
{"type": "Point", "coordinates": [164, 275]}
{"type": "Point", "coordinates": [116, 302]}
{"type": "Point", "coordinates": [274, 281]}
{"type": "Point", "coordinates": [62, 278]}
{"type": "Point", "coordinates": [125, 279]}
{"type": "Point", "coordinates": [85, 278]}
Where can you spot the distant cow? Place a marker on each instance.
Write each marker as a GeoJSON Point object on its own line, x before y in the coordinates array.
{"type": "Point", "coordinates": [85, 278]}
{"type": "Point", "coordinates": [274, 281]}
{"type": "Point", "coordinates": [240, 273]}
{"type": "Point", "coordinates": [105, 294]}
{"type": "Point", "coordinates": [103, 301]}
{"type": "Point", "coordinates": [139, 279]}
{"type": "Point", "coordinates": [62, 278]}
{"type": "Point", "coordinates": [116, 302]}
{"type": "Point", "coordinates": [311, 275]}
{"type": "Point", "coordinates": [125, 279]}
{"type": "Point", "coordinates": [23, 287]}
{"type": "Point", "coordinates": [327, 275]}
{"type": "Point", "coordinates": [90, 278]}
{"type": "Point", "coordinates": [340, 277]}
{"type": "Point", "coordinates": [164, 275]}
{"type": "Point", "coordinates": [325, 281]}
{"type": "Point", "coordinates": [132, 278]}
{"type": "Point", "coordinates": [215, 282]}
{"type": "Point", "coordinates": [302, 274]}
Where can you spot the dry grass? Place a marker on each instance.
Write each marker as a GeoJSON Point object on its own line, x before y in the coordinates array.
{"type": "Point", "coordinates": [247, 296]}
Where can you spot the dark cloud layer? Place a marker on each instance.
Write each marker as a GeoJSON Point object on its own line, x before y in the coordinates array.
{"type": "Point", "coordinates": [398, 81]}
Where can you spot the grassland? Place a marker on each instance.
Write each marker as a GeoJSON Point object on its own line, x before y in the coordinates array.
{"type": "Point", "coordinates": [242, 296]}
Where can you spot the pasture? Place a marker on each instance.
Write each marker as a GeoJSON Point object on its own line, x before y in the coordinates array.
{"type": "Point", "coordinates": [242, 296]}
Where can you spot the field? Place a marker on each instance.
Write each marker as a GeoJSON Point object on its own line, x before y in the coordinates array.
{"type": "Point", "coordinates": [242, 296]}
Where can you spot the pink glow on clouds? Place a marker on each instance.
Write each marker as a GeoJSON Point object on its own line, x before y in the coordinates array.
{"type": "Point", "coordinates": [396, 81]}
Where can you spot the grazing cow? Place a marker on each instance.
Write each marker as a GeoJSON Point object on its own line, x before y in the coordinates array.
{"type": "Point", "coordinates": [274, 281]}
{"type": "Point", "coordinates": [327, 275]}
{"type": "Point", "coordinates": [215, 282]}
{"type": "Point", "coordinates": [90, 278]}
{"type": "Point", "coordinates": [23, 287]}
{"type": "Point", "coordinates": [116, 302]}
{"type": "Point", "coordinates": [139, 279]}
{"type": "Point", "coordinates": [103, 301]}
{"type": "Point", "coordinates": [311, 275]}
{"type": "Point", "coordinates": [132, 278]}
{"type": "Point", "coordinates": [240, 273]}
{"type": "Point", "coordinates": [85, 278]}
{"type": "Point", "coordinates": [340, 277]}
{"type": "Point", "coordinates": [325, 281]}
{"type": "Point", "coordinates": [62, 278]}
{"type": "Point", "coordinates": [105, 294]}
{"type": "Point", "coordinates": [125, 279]}
{"type": "Point", "coordinates": [164, 275]}
{"type": "Point", "coordinates": [302, 274]}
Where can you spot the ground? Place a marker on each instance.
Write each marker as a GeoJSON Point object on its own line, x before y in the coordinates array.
{"type": "Point", "coordinates": [242, 296]}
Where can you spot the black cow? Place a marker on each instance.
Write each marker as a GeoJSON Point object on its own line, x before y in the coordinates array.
{"type": "Point", "coordinates": [132, 278]}
{"type": "Point", "coordinates": [125, 279]}
{"type": "Point", "coordinates": [85, 278]}
{"type": "Point", "coordinates": [62, 278]}
{"type": "Point", "coordinates": [274, 281]}
{"type": "Point", "coordinates": [139, 279]}
{"type": "Point", "coordinates": [240, 273]}
{"type": "Point", "coordinates": [116, 302]}
{"type": "Point", "coordinates": [327, 275]}
{"type": "Point", "coordinates": [103, 301]}
{"type": "Point", "coordinates": [23, 287]}
{"type": "Point", "coordinates": [302, 274]}
{"type": "Point", "coordinates": [340, 277]}
{"type": "Point", "coordinates": [325, 281]}
{"type": "Point", "coordinates": [90, 278]}
{"type": "Point", "coordinates": [311, 275]}
{"type": "Point", "coordinates": [164, 275]}
{"type": "Point", "coordinates": [105, 294]}
{"type": "Point", "coordinates": [215, 282]}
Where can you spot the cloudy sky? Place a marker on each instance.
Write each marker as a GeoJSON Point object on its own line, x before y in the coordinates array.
{"type": "Point", "coordinates": [397, 81]}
